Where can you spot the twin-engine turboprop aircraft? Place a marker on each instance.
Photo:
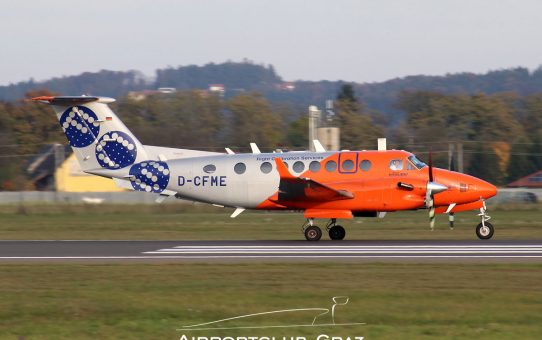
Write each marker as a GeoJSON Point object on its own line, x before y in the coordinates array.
{"type": "Point", "coordinates": [325, 185]}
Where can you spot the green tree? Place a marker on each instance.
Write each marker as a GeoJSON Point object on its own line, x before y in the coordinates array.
{"type": "Point", "coordinates": [252, 120]}
{"type": "Point", "coordinates": [298, 132]}
{"type": "Point", "coordinates": [484, 164]}
{"type": "Point", "coordinates": [520, 163]}
{"type": "Point", "coordinates": [357, 129]}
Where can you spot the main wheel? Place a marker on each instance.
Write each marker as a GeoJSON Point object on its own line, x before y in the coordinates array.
{"type": "Point", "coordinates": [484, 232]}
{"type": "Point", "coordinates": [313, 233]}
{"type": "Point", "coordinates": [337, 232]}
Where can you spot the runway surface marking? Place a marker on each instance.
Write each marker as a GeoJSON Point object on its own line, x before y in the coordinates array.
{"type": "Point", "coordinates": [475, 251]}
{"type": "Point", "coordinates": [297, 250]}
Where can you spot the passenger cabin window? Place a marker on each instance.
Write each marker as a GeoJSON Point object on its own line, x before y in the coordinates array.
{"type": "Point", "coordinates": [266, 167]}
{"type": "Point", "coordinates": [314, 166]}
{"type": "Point", "coordinates": [240, 168]}
{"type": "Point", "coordinates": [348, 165]}
{"type": "Point", "coordinates": [298, 166]}
{"type": "Point", "coordinates": [396, 164]}
{"type": "Point", "coordinates": [365, 165]}
{"type": "Point", "coordinates": [331, 166]}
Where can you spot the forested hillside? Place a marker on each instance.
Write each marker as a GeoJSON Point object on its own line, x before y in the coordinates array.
{"type": "Point", "coordinates": [250, 77]}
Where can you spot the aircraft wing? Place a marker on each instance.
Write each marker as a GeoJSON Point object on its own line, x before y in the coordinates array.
{"type": "Point", "coordinates": [293, 188]}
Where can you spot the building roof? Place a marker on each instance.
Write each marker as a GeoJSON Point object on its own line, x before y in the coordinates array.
{"type": "Point", "coordinates": [533, 180]}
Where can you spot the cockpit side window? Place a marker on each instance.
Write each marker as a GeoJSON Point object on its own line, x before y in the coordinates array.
{"type": "Point", "coordinates": [396, 164]}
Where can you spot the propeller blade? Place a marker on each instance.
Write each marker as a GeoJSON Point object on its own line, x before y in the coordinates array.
{"type": "Point", "coordinates": [432, 215]}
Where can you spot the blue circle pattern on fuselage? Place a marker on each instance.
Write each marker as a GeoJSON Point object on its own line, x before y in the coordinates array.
{"type": "Point", "coordinates": [115, 150]}
{"type": "Point", "coordinates": [149, 176]}
{"type": "Point", "coordinates": [80, 126]}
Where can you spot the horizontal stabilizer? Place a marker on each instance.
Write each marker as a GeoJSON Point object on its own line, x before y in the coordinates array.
{"type": "Point", "coordinates": [72, 100]}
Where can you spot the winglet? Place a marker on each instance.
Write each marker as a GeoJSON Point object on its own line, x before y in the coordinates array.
{"type": "Point", "coordinates": [318, 147]}
{"type": "Point", "coordinates": [283, 170]}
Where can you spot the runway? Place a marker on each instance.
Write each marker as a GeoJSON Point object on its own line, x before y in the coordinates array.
{"type": "Point", "coordinates": [173, 251]}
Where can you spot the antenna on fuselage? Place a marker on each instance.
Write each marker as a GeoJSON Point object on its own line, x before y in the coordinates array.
{"type": "Point", "coordinates": [255, 148]}
{"type": "Point", "coordinates": [382, 144]}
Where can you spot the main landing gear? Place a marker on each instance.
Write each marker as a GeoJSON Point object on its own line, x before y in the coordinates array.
{"type": "Point", "coordinates": [314, 233]}
{"type": "Point", "coordinates": [484, 230]}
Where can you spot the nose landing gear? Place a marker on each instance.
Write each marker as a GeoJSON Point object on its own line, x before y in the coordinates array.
{"type": "Point", "coordinates": [484, 230]}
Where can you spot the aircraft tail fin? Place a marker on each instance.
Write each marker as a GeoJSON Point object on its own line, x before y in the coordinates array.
{"type": "Point", "coordinates": [97, 136]}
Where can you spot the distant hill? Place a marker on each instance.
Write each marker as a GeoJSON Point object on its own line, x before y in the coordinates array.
{"type": "Point", "coordinates": [247, 76]}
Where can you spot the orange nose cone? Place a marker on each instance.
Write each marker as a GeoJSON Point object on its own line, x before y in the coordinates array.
{"type": "Point", "coordinates": [486, 190]}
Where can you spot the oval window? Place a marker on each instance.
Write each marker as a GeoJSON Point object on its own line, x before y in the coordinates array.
{"type": "Point", "coordinates": [266, 167]}
{"type": "Point", "coordinates": [240, 168]}
{"type": "Point", "coordinates": [365, 165]}
{"type": "Point", "coordinates": [331, 166]}
{"type": "Point", "coordinates": [315, 166]}
{"type": "Point", "coordinates": [210, 168]}
{"type": "Point", "coordinates": [348, 165]}
{"type": "Point", "coordinates": [298, 166]}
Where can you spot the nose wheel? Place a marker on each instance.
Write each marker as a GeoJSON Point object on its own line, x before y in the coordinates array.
{"type": "Point", "coordinates": [484, 230]}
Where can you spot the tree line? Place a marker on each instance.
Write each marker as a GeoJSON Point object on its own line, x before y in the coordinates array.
{"type": "Point", "coordinates": [501, 133]}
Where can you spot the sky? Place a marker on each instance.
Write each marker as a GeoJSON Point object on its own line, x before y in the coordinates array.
{"type": "Point", "coordinates": [362, 41]}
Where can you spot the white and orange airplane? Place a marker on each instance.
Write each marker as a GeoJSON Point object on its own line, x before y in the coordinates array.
{"type": "Point", "coordinates": [325, 185]}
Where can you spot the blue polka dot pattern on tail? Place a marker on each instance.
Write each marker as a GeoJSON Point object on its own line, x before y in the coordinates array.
{"type": "Point", "coordinates": [149, 176]}
{"type": "Point", "coordinates": [116, 150]}
{"type": "Point", "coordinates": [80, 126]}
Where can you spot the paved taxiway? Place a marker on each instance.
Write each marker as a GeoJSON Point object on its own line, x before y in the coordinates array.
{"type": "Point", "coordinates": [149, 251]}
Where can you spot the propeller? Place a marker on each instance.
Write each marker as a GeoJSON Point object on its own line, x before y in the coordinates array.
{"type": "Point", "coordinates": [432, 189]}
{"type": "Point", "coordinates": [452, 167]}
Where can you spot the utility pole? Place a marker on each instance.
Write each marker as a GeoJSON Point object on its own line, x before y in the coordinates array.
{"type": "Point", "coordinates": [450, 155]}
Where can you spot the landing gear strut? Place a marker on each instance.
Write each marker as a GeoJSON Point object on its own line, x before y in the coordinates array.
{"type": "Point", "coordinates": [312, 232]}
{"type": "Point", "coordinates": [336, 232]}
{"type": "Point", "coordinates": [484, 230]}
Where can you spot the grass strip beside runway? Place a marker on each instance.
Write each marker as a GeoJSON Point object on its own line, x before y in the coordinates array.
{"type": "Point", "coordinates": [397, 301]}
{"type": "Point", "coordinates": [161, 223]}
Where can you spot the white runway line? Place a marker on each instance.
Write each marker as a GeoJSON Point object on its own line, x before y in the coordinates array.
{"type": "Point", "coordinates": [354, 251]}
{"type": "Point", "coordinates": [254, 256]}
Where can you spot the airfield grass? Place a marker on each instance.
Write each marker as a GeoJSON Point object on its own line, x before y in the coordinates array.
{"type": "Point", "coordinates": [151, 301]}
{"type": "Point", "coordinates": [202, 222]}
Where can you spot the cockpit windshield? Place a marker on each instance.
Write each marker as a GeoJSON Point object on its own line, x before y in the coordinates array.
{"type": "Point", "coordinates": [417, 163]}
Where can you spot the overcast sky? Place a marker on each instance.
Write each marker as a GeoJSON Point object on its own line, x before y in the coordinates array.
{"type": "Point", "coordinates": [363, 41]}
